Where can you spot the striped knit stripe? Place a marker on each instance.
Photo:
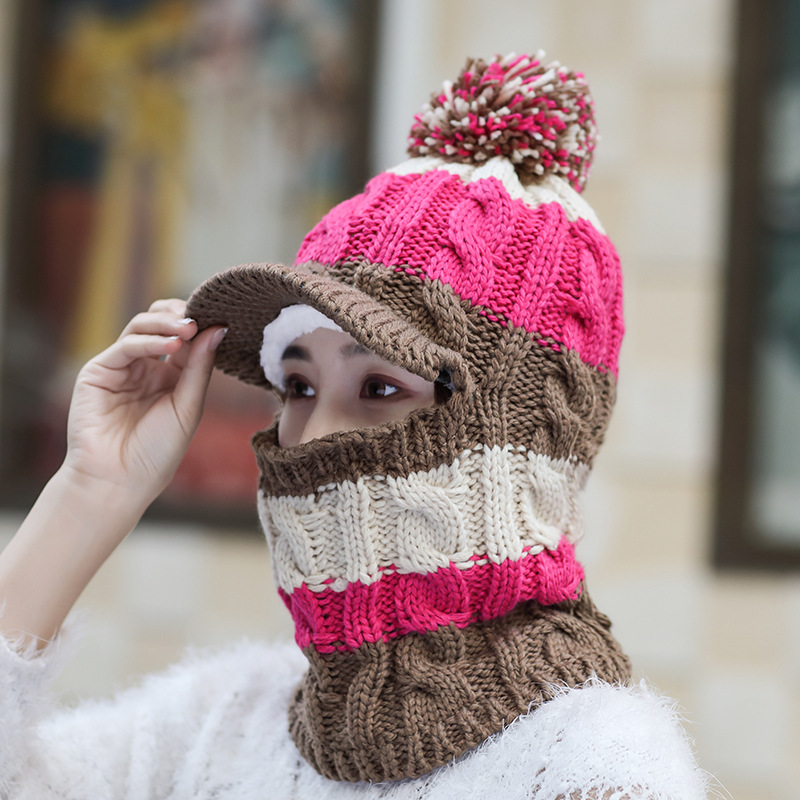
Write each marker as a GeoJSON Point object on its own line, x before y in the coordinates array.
{"type": "Point", "coordinates": [497, 503]}
{"type": "Point", "coordinates": [549, 189]}
{"type": "Point", "coordinates": [529, 267]}
{"type": "Point", "coordinates": [399, 604]}
{"type": "Point", "coordinates": [522, 395]}
{"type": "Point", "coordinates": [399, 708]}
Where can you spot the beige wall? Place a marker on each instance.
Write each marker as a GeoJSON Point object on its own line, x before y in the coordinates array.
{"type": "Point", "coordinates": [727, 647]}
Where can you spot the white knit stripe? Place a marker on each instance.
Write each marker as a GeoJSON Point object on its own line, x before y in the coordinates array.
{"type": "Point", "coordinates": [495, 502]}
{"type": "Point", "coordinates": [550, 189]}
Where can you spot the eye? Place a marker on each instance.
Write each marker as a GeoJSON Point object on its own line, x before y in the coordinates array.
{"type": "Point", "coordinates": [295, 387]}
{"type": "Point", "coordinates": [376, 389]}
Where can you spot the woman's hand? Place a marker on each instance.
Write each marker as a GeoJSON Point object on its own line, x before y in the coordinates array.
{"type": "Point", "coordinates": [134, 410]}
{"type": "Point", "coordinates": [137, 405]}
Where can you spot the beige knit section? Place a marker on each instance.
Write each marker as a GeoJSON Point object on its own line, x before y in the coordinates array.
{"type": "Point", "coordinates": [497, 502]}
{"type": "Point", "coordinates": [549, 189]}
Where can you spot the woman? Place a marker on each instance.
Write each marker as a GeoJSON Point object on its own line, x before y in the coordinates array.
{"type": "Point", "coordinates": [446, 347]}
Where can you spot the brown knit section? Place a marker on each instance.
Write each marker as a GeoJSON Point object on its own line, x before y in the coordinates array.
{"type": "Point", "coordinates": [417, 323]}
{"type": "Point", "coordinates": [511, 389]}
{"type": "Point", "coordinates": [399, 709]}
{"type": "Point", "coordinates": [549, 402]}
{"type": "Point", "coordinates": [246, 298]}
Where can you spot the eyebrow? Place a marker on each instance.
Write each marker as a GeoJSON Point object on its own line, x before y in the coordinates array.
{"type": "Point", "coordinates": [298, 353]}
{"type": "Point", "coordinates": [295, 352]}
{"type": "Point", "coordinates": [354, 349]}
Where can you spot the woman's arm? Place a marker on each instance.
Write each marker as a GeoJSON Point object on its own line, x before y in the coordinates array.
{"type": "Point", "coordinates": [134, 410]}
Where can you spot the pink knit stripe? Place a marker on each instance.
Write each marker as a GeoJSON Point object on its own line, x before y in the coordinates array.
{"type": "Point", "coordinates": [398, 604]}
{"type": "Point", "coordinates": [530, 267]}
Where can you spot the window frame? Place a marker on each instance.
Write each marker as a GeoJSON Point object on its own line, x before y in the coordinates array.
{"type": "Point", "coordinates": [738, 541]}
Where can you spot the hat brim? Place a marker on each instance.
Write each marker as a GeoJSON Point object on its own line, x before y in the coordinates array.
{"type": "Point", "coordinates": [247, 298]}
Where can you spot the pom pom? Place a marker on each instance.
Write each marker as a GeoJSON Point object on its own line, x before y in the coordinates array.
{"type": "Point", "coordinates": [539, 116]}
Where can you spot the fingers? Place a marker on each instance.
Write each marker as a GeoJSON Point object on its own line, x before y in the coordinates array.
{"type": "Point", "coordinates": [164, 332]}
{"type": "Point", "coordinates": [164, 321]}
{"type": "Point", "coordinates": [160, 331]}
{"type": "Point", "coordinates": [173, 305]}
{"type": "Point", "coordinates": [133, 347]}
{"type": "Point", "coordinates": [190, 390]}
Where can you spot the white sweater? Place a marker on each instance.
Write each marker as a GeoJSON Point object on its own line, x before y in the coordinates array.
{"type": "Point", "coordinates": [215, 726]}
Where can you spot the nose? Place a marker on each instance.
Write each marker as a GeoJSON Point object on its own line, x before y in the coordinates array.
{"type": "Point", "coordinates": [327, 417]}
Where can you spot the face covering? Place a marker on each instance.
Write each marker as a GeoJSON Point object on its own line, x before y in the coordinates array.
{"type": "Point", "coordinates": [428, 563]}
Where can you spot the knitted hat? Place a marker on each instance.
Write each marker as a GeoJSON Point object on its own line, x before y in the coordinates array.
{"type": "Point", "coordinates": [428, 563]}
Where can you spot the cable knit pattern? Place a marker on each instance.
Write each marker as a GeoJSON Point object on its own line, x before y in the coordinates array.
{"type": "Point", "coordinates": [549, 189]}
{"type": "Point", "coordinates": [419, 593]}
{"type": "Point", "coordinates": [530, 267]}
{"type": "Point", "coordinates": [399, 604]}
{"type": "Point", "coordinates": [494, 504]}
{"type": "Point", "coordinates": [384, 557]}
{"type": "Point", "coordinates": [407, 705]}
{"type": "Point", "coordinates": [427, 561]}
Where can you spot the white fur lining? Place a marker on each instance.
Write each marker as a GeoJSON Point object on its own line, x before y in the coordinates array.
{"type": "Point", "coordinates": [291, 323]}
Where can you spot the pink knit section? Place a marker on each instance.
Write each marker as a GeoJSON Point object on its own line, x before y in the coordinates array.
{"type": "Point", "coordinates": [398, 604]}
{"type": "Point", "coordinates": [530, 267]}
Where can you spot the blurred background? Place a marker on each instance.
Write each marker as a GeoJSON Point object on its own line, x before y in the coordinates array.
{"type": "Point", "coordinates": [145, 144]}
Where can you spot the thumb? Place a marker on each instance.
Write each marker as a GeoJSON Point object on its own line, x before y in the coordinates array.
{"type": "Point", "coordinates": [190, 390]}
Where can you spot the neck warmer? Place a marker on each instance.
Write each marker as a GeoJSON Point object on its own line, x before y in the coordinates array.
{"type": "Point", "coordinates": [429, 563]}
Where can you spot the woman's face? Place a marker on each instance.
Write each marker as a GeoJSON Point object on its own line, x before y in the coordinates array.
{"type": "Point", "coordinates": [334, 384]}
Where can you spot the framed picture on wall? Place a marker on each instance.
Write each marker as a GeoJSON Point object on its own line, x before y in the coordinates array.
{"type": "Point", "coordinates": [758, 508]}
{"type": "Point", "coordinates": [156, 142]}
